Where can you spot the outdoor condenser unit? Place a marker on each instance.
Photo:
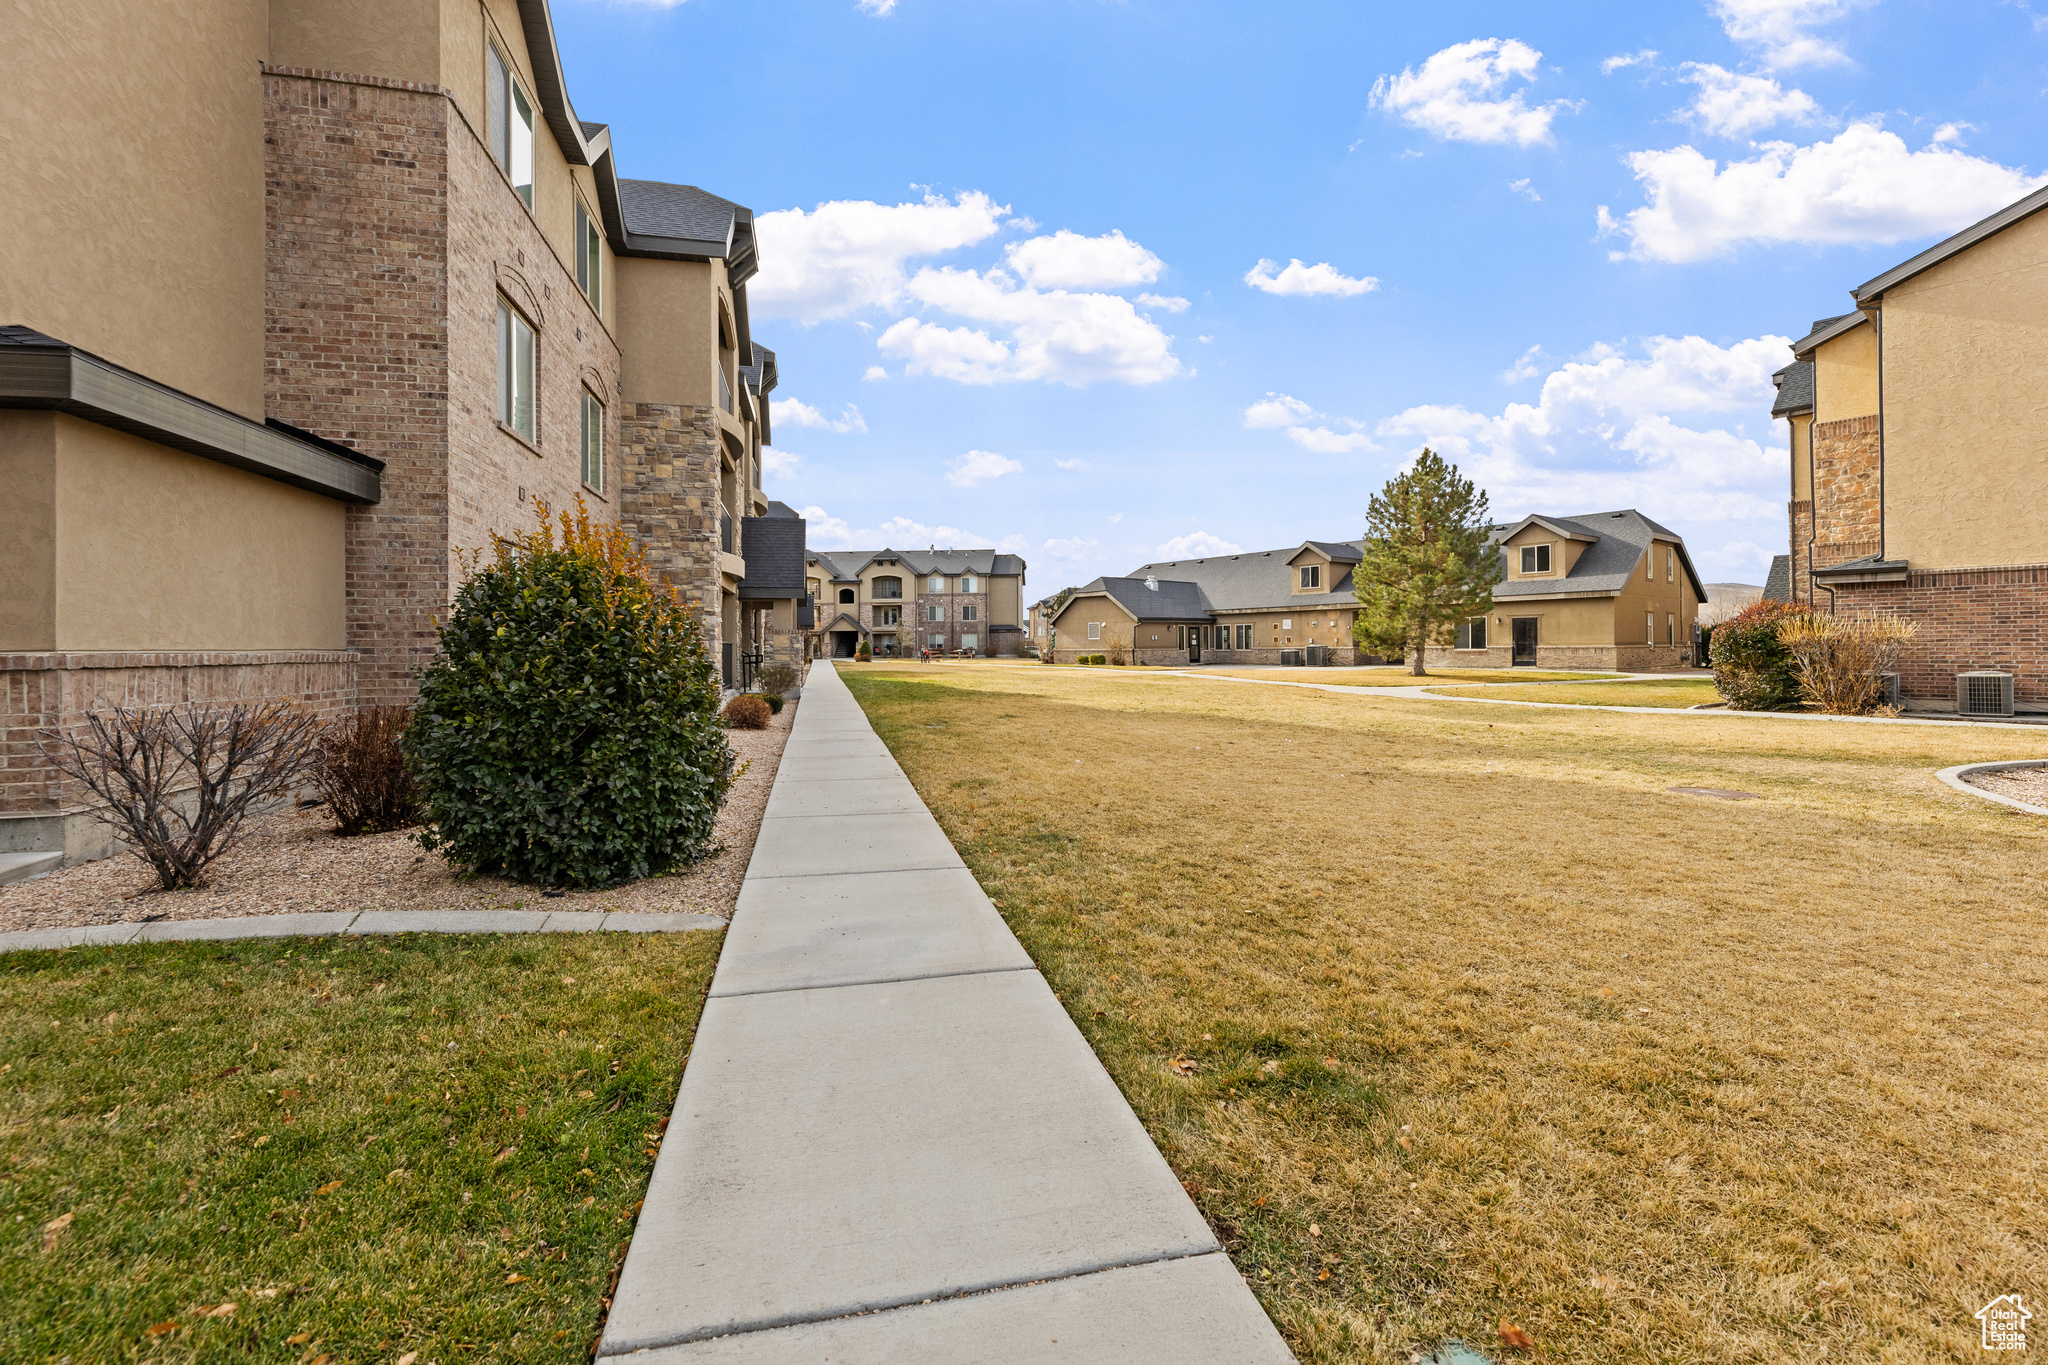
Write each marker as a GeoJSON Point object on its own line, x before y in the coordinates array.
{"type": "Point", "coordinates": [1891, 688]}
{"type": "Point", "coordinates": [1318, 655]}
{"type": "Point", "coordinates": [1984, 694]}
{"type": "Point", "coordinates": [1290, 658]}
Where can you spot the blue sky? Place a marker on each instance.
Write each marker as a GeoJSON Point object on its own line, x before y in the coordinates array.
{"type": "Point", "coordinates": [1029, 265]}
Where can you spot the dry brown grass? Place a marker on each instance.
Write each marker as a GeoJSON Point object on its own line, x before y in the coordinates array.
{"type": "Point", "coordinates": [1401, 677]}
{"type": "Point", "coordinates": [1487, 1024]}
{"type": "Point", "coordinates": [1675, 693]}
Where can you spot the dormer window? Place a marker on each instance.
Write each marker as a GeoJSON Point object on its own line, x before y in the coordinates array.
{"type": "Point", "coordinates": [1535, 559]}
{"type": "Point", "coordinates": [936, 584]}
{"type": "Point", "coordinates": [510, 116]}
{"type": "Point", "coordinates": [1311, 575]}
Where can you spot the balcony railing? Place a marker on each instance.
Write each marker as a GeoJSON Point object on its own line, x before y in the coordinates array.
{"type": "Point", "coordinates": [724, 391]}
{"type": "Point", "coordinates": [725, 533]}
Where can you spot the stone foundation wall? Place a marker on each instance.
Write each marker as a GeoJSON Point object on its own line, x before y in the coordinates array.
{"type": "Point", "coordinates": [1846, 511]}
{"type": "Point", "coordinates": [1802, 532]}
{"type": "Point", "coordinates": [1969, 619]}
{"type": "Point", "coordinates": [39, 808]}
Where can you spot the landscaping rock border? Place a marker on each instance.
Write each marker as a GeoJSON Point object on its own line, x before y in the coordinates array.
{"type": "Point", "coordinates": [360, 923]}
{"type": "Point", "coordinates": [1956, 777]}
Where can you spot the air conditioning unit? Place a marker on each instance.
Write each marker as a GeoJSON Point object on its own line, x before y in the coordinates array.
{"type": "Point", "coordinates": [1891, 688]}
{"type": "Point", "coordinates": [1985, 693]}
{"type": "Point", "coordinates": [1290, 658]}
{"type": "Point", "coordinates": [1318, 655]}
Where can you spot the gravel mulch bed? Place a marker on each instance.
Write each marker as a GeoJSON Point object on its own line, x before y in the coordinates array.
{"type": "Point", "coordinates": [291, 863]}
{"type": "Point", "coordinates": [2021, 784]}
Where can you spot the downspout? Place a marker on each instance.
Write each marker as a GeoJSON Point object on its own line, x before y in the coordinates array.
{"type": "Point", "coordinates": [1876, 316]}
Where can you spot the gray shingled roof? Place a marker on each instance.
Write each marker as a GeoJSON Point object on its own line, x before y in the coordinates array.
{"type": "Point", "coordinates": [1795, 389]}
{"type": "Point", "coordinates": [1826, 329]}
{"type": "Point", "coordinates": [1169, 601]}
{"type": "Point", "coordinates": [1258, 578]}
{"type": "Point", "coordinates": [1778, 587]}
{"type": "Point", "coordinates": [845, 565]}
{"type": "Point", "coordinates": [1606, 564]}
{"type": "Point", "coordinates": [654, 209]}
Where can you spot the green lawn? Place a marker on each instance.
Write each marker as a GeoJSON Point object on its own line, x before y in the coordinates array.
{"type": "Point", "coordinates": [1677, 693]}
{"type": "Point", "coordinates": [333, 1150]}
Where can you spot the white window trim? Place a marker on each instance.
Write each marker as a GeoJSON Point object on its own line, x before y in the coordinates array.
{"type": "Point", "coordinates": [593, 468]}
{"type": "Point", "coordinates": [1095, 630]}
{"type": "Point", "coordinates": [503, 98]}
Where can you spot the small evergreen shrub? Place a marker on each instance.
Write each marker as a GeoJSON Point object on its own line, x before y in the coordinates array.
{"type": "Point", "coordinates": [747, 712]}
{"type": "Point", "coordinates": [778, 680]}
{"type": "Point", "coordinates": [361, 772]}
{"type": "Point", "coordinates": [863, 653]}
{"type": "Point", "coordinates": [568, 733]}
{"type": "Point", "coordinates": [774, 701]}
{"type": "Point", "coordinates": [1753, 670]}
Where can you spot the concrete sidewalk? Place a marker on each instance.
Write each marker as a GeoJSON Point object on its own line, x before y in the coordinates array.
{"type": "Point", "coordinates": [891, 1143]}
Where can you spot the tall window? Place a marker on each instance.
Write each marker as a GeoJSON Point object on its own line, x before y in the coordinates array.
{"type": "Point", "coordinates": [935, 612]}
{"type": "Point", "coordinates": [518, 370]}
{"type": "Point", "coordinates": [1472, 633]}
{"type": "Point", "coordinates": [589, 261]}
{"type": "Point", "coordinates": [1095, 630]}
{"type": "Point", "coordinates": [1650, 564]}
{"type": "Point", "coordinates": [1670, 629]}
{"type": "Point", "coordinates": [1311, 575]}
{"type": "Point", "coordinates": [1649, 627]}
{"type": "Point", "coordinates": [970, 612]}
{"type": "Point", "coordinates": [968, 639]}
{"type": "Point", "coordinates": [1670, 565]}
{"type": "Point", "coordinates": [937, 584]}
{"type": "Point", "coordinates": [1223, 637]}
{"type": "Point", "coordinates": [1535, 559]}
{"type": "Point", "coordinates": [1244, 637]}
{"type": "Point", "coordinates": [593, 441]}
{"type": "Point", "coordinates": [511, 125]}
{"type": "Point", "coordinates": [967, 584]}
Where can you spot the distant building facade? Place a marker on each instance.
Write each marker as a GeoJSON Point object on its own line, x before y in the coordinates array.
{"type": "Point", "coordinates": [904, 602]}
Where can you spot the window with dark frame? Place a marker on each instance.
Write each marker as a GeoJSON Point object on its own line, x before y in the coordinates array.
{"type": "Point", "coordinates": [1535, 559]}
{"type": "Point", "coordinates": [1311, 575]}
{"type": "Point", "coordinates": [1244, 637]}
{"type": "Point", "coordinates": [969, 612]}
{"type": "Point", "coordinates": [1472, 633]}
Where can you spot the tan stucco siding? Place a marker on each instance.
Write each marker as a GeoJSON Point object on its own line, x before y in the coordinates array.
{"type": "Point", "coordinates": [1576, 621]}
{"type": "Point", "coordinates": [393, 39]}
{"type": "Point", "coordinates": [1563, 553]}
{"type": "Point", "coordinates": [1845, 375]}
{"type": "Point", "coordinates": [28, 531]}
{"type": "Point", "coordinates": [1665, 591]}
{"type": "Point", "coordinates": [1966, 406]}
{"type": "Point", "coordinates": [667, 323]}
{"type": "Point", "coordinates": [1802, 458]}
{"type": "Point", "coordinates": [157, 549]}
{"type": "Point", "coordinates": [134, 168]}
{"type": "Point", "coordinates": [1005, 601]}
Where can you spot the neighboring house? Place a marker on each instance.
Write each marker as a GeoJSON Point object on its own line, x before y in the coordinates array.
{"type": "Point", "coordinates": [903, 602]}
{"type": "Point", "coordinates": [1038, 625]}
{"type": "Point", "coordinates": [1919, 478]}
{"type": "Point", "coordinates": [249, 428]}
{"type": "Point", "coordinates": [1778, 587]}
{"type": "Point", "coordinates": [1599, 590]}
{"type": "Point", "coordinates": [1249, 608]}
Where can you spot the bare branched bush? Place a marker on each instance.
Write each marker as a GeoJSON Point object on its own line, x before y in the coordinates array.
{"type": "Point", "coordinates": [177, 782]}
{"type": "Point", "coordinates": [361, 772]}
{"type": "Point", "coordinates": [1118, 653]}
{"type": "Point", "coordinates": [1842, 660]}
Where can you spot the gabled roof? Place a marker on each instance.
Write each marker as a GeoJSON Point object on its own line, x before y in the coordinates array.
{"type": "Point", "coordinates": [1259, 578]}
{"type": "Point", "coordinates": [1795, 389]}
{"type": "Point", "coordinates": [1778, 586]}
{"type": "Point", "coordinates": [1555, 525]}
{"type": "Point", "coordinates": [1873, 291]}
{"type": "Point", "coordinates": [846, 565]}
{"type": "Point", "coordinates": [1606, 565]}
{"type": "Point", "coordinates": [1825, 330]}
{"type": "Point", "coordinates": [1163, 600]}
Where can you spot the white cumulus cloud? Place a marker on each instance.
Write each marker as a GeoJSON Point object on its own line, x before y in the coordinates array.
{"type": "Point", "coordinates": [779, 464]}
{"type": "Point", "coordinates": [1297, 278]}
{"type": "Point", "coordinates": [1067, 260]}
{"type": "Point", "coordinates": [850, 254]}
{"type": "Point", "coordinates": [794, 412]}
{"type": "Point", "coordinates": [978, 466]}
{"type": "Point", "coordinates": [1070, 464]}
{"type": "Point", "coordinates": [1197, 545]}
{"type": "Point", "coordinates": [1781, 31]}
{"type": "Point", "coordinates": [1324, 441]}
{"type": "Point", "coordinates": [1276, 410]}
{"type": "Point", "coordinates": [1864, 186]}
{"type": "Point", "coordinates": [1284, 410]}
{"type": "Point", "coordinates": [1641, 57]}
{"type": "Point", "coordinates": [827, 532]}
{"type": "Point", "coordinates": [1731, 104]}
{"type": "Point", "coordinates": [1053, 335]}
{"type": "Point", "coordinates": [1526, 190]}
{"type": "Point", "coordinates": [1525, 366]}
{"type": "Point", "coordinates": [1165, 303]}
{"type": "Point", "coordinates": [872, 373]}
{"type": "Point", "coordinates": [881, 9]}
{"type": "Point", "coordinates": [1069, 548]}
{"type": "Point", "coordinates": [1457, 94]}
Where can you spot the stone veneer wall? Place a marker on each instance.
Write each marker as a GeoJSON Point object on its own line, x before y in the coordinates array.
{"type": "Point", "coordinates": [1969, 619]}
{"type": "Point", "coordinates": [1802, 531]}
{"type": "Point", "coordinates": [668, 500]}
{"type": "Point", "coordinates": [1846, 473]}
{"type": "Point", "coordinates": [55, 690]}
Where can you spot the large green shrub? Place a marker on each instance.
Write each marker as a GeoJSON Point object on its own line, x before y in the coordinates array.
{"type": "Point", "coordinates": [568, 734]}
{"type": "Point", "coordinates": [1753, 670]}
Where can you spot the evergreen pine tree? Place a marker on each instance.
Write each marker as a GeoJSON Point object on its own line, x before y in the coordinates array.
{"type": "Point", "coordinates": [1429, 561]}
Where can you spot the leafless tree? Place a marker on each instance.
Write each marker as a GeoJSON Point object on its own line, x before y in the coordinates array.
{"type": "Point", "coordinates": [149, 767]}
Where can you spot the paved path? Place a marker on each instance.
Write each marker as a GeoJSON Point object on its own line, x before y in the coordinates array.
{"type": "Point", "coordinates": [360, 922]}
{"type": "Point", "coordinates": [891, 1143]}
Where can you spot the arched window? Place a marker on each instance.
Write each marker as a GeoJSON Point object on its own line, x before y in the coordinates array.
{"type": "Point", "coordinates": [886, 589]}
{"type": "Point", "coordinates": [846, 595]}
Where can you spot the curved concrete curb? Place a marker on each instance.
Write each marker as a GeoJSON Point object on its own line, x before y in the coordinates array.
{"type": "Point", "coordinates": [360, 922]}
{"type": "Point", "coordinates": [1954, 777]}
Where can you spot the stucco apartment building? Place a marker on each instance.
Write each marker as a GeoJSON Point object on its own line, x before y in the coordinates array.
{"type": "Point", "coordinates": [1919, 476]}
{"type": "Point", "coordinates": [307, 299]}
{"type": "Point", "coordinates": [902, 602]}
{"type": "Point", "coordinates": [1604, 590]}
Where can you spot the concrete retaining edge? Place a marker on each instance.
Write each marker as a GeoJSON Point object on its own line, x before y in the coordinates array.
{"type": "Point", "coordinates": [359, 923]}
{"type": "Point", "coordinates": [1954, 778]}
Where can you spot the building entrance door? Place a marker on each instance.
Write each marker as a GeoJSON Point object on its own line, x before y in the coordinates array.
{"type": "Point", "coordinates": [843, 643]}
{"type": "Point", "coordinates": [1525, 640]}
{"type": "Point", "coordinates": [1194, 644]}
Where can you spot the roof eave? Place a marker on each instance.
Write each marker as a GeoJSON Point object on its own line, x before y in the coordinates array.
{"type": "Point", "coordinates": [1808, 344]}
{"type": "Point", "coordinates": [1871, 293]}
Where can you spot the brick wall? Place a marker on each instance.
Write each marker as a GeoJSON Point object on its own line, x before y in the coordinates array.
{"type": "Point", "coordinates": [1969, 619]}
{"type": "Point", "coordinates": [1846, 508]}
{"type": "Point", "coordinates": [356, 348]}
